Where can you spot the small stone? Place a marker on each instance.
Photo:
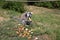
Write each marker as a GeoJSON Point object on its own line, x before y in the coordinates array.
{"type": "Point", "coordinates": [36, 38]}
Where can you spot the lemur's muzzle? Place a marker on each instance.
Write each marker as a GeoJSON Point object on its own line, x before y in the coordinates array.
{"type": "Point", "coordinates": [29, 21]}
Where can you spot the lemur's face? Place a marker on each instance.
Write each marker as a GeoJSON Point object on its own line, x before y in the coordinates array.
{"type": "Point", "coordinates": [29, 14]}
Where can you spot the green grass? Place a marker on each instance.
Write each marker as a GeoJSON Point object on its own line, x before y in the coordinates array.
{"type": "Point", "coordinates": [44, 23]}
{"type": "Point", "coordinates": [5, 33]}
{"type": "Point", "coordinates": [49, 23]}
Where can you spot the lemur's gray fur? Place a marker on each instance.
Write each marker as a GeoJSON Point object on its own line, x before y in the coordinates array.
{"type": "Point", "coordinates": [24, 18]}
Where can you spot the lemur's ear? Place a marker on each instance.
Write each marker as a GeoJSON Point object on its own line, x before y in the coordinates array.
{"type": "Point", "coordinates": [31, 12]}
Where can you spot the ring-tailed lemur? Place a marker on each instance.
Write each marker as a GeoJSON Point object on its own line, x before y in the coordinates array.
{"type": "Point", "coordinates": [25, 18]}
